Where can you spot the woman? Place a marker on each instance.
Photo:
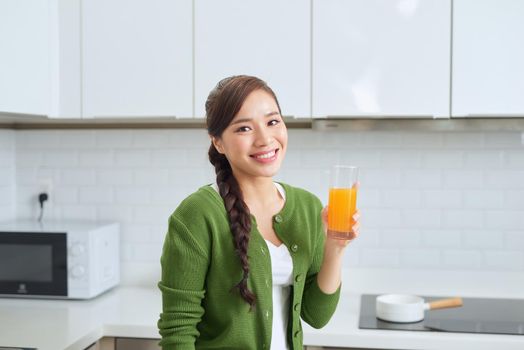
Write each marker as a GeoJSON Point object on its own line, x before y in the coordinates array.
{"type": "Point", "coordinates": [244, 259]}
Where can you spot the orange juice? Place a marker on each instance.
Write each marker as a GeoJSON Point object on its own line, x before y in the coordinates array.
{"type": "Point", "coordinates": [341, 208]}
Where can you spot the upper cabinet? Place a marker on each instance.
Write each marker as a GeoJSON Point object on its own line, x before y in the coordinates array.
{"type": "Point", "coordinates": [381, 58]}
{"type": "Point", "coordinates": [488, 58]}
{"type": "Point", "coordinates": [39, 61]}
{"type": "Point", "coordinates": [323, 58]}
{"type": "Point", "coordinates": [25, 63]}
{"type": "Point", "coordinates": [269, 39]}
{"type": "Point", "coordinates": [137, 58]}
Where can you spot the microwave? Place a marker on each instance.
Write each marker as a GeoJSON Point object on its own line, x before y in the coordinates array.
{"type": "Point", "coordinates": [58, 259]}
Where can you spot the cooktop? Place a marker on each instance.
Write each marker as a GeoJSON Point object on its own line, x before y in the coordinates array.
{"type": "Point", "coordinates": [477, 315]}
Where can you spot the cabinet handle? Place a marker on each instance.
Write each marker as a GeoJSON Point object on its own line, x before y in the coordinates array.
{"type": "Point", "coordinates": [380, 116]}
{"type": "Point", "coordinates": [491, 115]}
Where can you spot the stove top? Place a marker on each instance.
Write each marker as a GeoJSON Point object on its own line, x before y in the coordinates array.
{"type": "Point", "coordinates": [477, 315]}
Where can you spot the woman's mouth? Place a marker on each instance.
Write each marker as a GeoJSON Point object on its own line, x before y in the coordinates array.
{"type": "Point", "coordinates": [265, 157]}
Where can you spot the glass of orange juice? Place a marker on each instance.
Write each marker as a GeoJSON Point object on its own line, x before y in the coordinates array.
{"type": "Point", "coordinates": [342, 201]}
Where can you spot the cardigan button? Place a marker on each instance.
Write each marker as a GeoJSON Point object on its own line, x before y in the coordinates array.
{"type": "Point", "coordinates": [278, 218]}
{"type": "Point", "coordinates": [298, 278]}
{"type": "Point", "coordinates": [294, 248]}
{"type": "Point", "coordinates": [297, 333]}
{"type": "Point", "coordinates": [297, 306]}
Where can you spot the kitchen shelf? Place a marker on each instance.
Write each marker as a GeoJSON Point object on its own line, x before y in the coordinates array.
{"type": "Point", "coordinates": [26, 122]}
{"type": "Point", "coordinates": [423, 124]}
{"type": "Point", "coordinates": [479, 124]}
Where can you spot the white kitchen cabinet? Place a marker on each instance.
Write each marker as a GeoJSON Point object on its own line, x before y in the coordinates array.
{"type": "Point", "coordinates": [25, 56]}
{"type": "Point", "coordinates": [137, 58]}
{"type": "Point", "coordinates": [40, 57]}
{"type": "Point", "coordinates": [381, 58]}
{"type": "Point", "coordinates": [488, 58]}
{"type": "Point", "coordinates": [269, 39]}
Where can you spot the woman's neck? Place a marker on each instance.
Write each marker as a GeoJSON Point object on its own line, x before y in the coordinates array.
{"type": "Point", "coordinates": [260, 191]}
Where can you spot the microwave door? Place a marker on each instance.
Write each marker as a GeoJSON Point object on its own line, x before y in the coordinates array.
{"type": "Point", "coordinates": [33, 264]}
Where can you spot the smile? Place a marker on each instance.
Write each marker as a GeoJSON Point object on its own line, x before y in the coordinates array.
{"type": "Point", "coordinates": [265, 156]}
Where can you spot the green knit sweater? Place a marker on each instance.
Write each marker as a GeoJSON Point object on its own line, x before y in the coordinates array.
{"type": "Point", "coordinates": [200, 267]}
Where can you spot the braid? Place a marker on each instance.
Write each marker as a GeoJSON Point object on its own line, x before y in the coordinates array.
{"type": "Point", "coordinates": [222, 104]}
{"type": "Point", "coordinates": [239, 217]}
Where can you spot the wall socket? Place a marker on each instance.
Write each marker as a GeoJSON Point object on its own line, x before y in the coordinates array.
{"type": "Point", "coordinates": [45, 185]}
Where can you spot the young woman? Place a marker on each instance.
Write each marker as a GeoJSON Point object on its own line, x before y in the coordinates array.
{"type": "Point", "coordinates": [245, 258]}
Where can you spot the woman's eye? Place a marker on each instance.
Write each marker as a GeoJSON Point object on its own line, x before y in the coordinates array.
{"type": "Point", "coordinates": [274, 122]}
{"type": "Point", "coordinates": [243, 129]}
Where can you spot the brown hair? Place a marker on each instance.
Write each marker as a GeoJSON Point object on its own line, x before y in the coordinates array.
{"type": "Point", "coordinates": [222, 104]}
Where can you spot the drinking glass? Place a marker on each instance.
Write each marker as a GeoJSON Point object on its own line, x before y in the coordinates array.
{"type": "Point", "coordinates": [342, 201]}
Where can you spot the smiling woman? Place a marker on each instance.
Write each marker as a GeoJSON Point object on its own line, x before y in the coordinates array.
{"type": "Point", "coordinates": [245, 258]}
{"type": "Point", "coordinates": [255, 141]}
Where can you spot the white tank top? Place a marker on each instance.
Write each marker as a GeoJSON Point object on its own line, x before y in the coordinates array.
{"type": "Point", "coordinates": [282, 273]}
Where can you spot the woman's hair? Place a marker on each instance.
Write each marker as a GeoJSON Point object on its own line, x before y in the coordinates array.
{"type": "Point", "coordinates": [222, 104]}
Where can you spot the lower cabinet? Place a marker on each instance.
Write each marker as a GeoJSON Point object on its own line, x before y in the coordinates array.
{"type": "Point", "coordinates": [327, 348]}
{"type": "Point", "coordinates": [136, 344]}
{"type": "Point", "coordinates": [111, 343]}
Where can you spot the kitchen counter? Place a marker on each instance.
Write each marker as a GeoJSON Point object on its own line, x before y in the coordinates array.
{"type": "Point", "coordinates": [133, 312]}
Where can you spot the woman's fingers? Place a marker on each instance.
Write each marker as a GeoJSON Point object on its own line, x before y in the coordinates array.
{"type": "Point", "coordinates": [324, 214]}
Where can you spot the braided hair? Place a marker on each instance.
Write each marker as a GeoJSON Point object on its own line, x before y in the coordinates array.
{"type": "Point", "coordinates": [222, 104]}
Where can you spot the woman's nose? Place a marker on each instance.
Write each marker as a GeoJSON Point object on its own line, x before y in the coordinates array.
{"type": "Point", "coordinates": [263, 137]}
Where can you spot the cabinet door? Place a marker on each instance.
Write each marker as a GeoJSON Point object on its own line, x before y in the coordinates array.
{"type": "Point", "coordinates": [381, 58]}
{"type": "Point", "coordinates": [488, 58]}
{"type": "Point", "coordinates": [25, 57]}
{"type": "Point", "coordinates": [269, 39]}
{"type": "Point", "coordinates": [137, 58]}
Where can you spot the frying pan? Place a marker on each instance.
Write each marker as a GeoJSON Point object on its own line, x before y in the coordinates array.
{"type": "Point", "coordinates": [404, 308]}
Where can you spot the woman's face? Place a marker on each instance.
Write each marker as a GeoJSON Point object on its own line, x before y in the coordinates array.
{"type": "Point", "coordinates": [255, 141]}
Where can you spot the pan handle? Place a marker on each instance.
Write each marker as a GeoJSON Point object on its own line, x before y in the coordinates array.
{"type": "Point", "coordinates": [445, 303]}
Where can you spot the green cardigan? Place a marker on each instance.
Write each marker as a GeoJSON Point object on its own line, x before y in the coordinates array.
{"type": "Point", "coordinates": [200, 268]}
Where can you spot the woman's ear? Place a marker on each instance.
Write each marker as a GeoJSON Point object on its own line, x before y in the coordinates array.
{"type": "Point", "coordinates": [217, 142]}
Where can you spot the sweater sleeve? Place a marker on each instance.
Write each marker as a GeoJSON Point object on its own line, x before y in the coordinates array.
{"type": "Point", "coordinates": [317, 306]}
{"type": "Point", "coordinates": [184, 264]}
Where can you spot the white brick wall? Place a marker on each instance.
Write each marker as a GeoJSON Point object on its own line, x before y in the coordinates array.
{"type": "Point", "coordinates": [7, 175]}
{"type": "Point", "coordinates": [428, 200]}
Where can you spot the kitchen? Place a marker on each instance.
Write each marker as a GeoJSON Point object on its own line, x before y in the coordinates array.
{"type": "Point", "coordinates": [102, 108]}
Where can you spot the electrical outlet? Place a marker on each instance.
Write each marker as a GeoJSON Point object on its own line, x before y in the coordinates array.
{"type": "Point", "coordinates": [45, 185]}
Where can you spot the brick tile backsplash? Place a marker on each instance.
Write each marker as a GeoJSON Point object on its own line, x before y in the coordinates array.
{"type": "Point", "coordinates": [443, 159]}
{"type": "Point", "coordinates": [96, 158]}
{"type": "Point", "coordinates": [7, 175]}
{"type": "Point", "coordinates": [501, 260]}
{"type": "Point", "coordinates": [462, 259]}
{"type": "Point", "coordinates": [439, 238]}
{"type": "Point", "coordinates": [96, 195]}
{"type": "Point", "coordinates": [515, 159]}
{"type": "Point", "coordinates": [115, 177]}
{"type": "Point", "coordinates": [418, 140]}
{"type": "Point", "coordinates": [447, 199]}
{"type": "Point", "coordinates": [429, 200]}
{"type": "Point", "coordinates": [421, 258]}
{"type": "Point", "coordinates": [483, 199]}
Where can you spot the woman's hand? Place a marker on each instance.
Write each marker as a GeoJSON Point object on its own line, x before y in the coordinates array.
{"type": "Point", "coordinates": [341, 242]}
{"type": "Point", "coordinates": [329, 276]}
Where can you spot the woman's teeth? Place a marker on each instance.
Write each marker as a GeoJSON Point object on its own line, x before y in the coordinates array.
{"type": "Point", "coordinates": [266, 155]}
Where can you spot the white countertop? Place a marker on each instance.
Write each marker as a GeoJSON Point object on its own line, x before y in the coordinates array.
{"type": "Point", "coordinates": [133, 312]}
